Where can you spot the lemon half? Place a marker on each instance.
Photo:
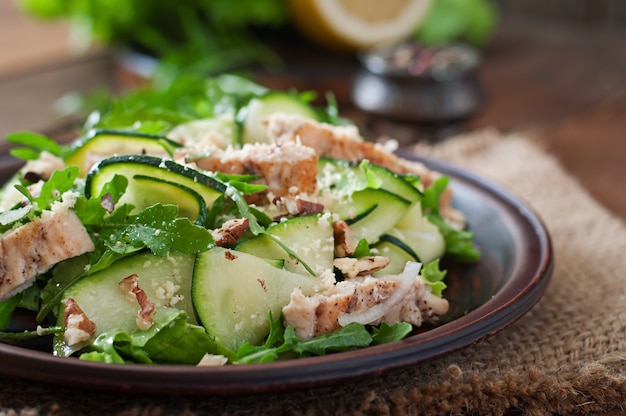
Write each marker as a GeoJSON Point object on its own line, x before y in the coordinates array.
{"type": "Point", "coordinates": [356, 24]}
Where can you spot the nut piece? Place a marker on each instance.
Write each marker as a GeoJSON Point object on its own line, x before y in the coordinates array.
{"type": "Point", "coordinates": [345, 242]}
{"type": "Point", "coordinates": [130, 286]}
{"type": "Point", "coordinates": [296, 206]}
{"type": "Point", "coordinates": [231, 231]}
{"type": "Point", "coordinates": [351, 267]}
{"type": "Point", "coordinates": [78, 328]}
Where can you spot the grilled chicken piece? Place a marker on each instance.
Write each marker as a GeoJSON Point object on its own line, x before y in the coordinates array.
{"type": "Point", "coordinates": [287, 169]}
{"type": "Point", "coordinates": [35, 247]}
{"type": "Point", "coordinates": [345, 142]}
{"type": "Point", "coordinates": [367, 300]}
{"type": "Point", "coordinates": [340, 142]}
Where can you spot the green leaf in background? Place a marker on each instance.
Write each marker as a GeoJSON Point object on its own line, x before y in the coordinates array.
{"type": "Point", "coordinates": [473, 21]}
{"type": "Point", "coordinates": [188, 36]}
{"type": "Point", "coordinates": [34, 144]}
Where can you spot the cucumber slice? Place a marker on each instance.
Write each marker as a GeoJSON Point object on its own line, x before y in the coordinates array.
{"type": "Point", "coordinates": [310, 237]}
{"type": "Point", "coordinates": [233, 293]}
{"type": "Point", "coordinates": [397, 252]}
{"type": "Point", "coordinates": [371, 212]}
{"type": "Point", "coordinates": [154, 190]}
{"type": "Point", "coordinates": [101, 144]}
{"type": "Point", "coordinates": [259, 108]}
{"type": "Point", "coordinates": [342, 178]}
{"type": "Point", "coordinates": [165, 280]}
{"type": "Point", "coordinates": [416, 232]}
{"type": "Point", "coordinates": [219, 132]}
{"type": "Point", "coordinates": [139, 167]}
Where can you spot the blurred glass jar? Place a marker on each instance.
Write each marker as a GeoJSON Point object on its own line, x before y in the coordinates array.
{"type": "Point", "coordinates": [410, 82]}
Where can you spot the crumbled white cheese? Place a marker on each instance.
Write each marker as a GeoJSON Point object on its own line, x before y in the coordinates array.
{"type": "Point", "coordinates": [212, 360]}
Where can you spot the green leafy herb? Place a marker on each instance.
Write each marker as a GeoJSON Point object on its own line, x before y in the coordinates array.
{"type": "Point", "coordinates": [157, 228]}
{"type": "Point", "coordinates": [6, 310]}
{"type": "Point", "coordinates": [372, 180]}
{"type": "Point", "coordinates": [362, 249]}
{"type": "Point", "coordinates": [459, 243]}
{"type": "Point", "coordinates": [170, 339]}
{"type": "Point", "coordinates": [27, 335]}
{"type": "Point", "coordinates": [388, 333]}
{"type": "Point", "coordinates": [448, 21]}
{"type": "Point", "coordinates": [283, 341]}
{"type": "Point", "coordinates": [433, 276]}
{"type": "Point", "coordinates": [34, 143]}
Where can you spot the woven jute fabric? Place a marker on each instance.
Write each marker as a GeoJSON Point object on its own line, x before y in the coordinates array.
{"type": "Point", "coordinates": [566, 356]}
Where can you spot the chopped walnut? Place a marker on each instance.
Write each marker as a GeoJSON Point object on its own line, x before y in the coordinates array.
{"type": "Point", "coordinates": [351, 267]}
{"type": "Point", "coordinates": [345, 242]}
{"type": "Point", "coordinates": [78, 327]}
{"type": "Point", "coordinates": [231, 231]}
{"type": "Point", "coordinates": [130, 286]}
{"type": "Point", "coordinates": [296, 206]}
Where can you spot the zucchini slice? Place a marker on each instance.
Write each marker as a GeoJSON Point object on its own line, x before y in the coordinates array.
{"type": "Point", "coordinates": [310, 237]}
{"type": "Point", "coordinates": [257, 109]}
{"type": "Point", "coordinates": [397, 252]}
{"type": "Point", "coordinates": [371, 212]}
{"type": "Point", "coordinates": [154, 190]}
{"type": "Point", "coordinates": [343, 177]}
{"type": "Point", "coordinates": [416, 232]}
{"type": "Point", "coordinates": [100, 144]}
{"type": "Point", "coordinates": [165, 280]}
{"type": "Point", "coordinates": [234, 292]}
{"type": "Point", "coordinates": [168, 182]}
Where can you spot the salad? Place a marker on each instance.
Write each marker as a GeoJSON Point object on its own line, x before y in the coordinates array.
{"type": "Point", "coordinates": [231, 224]}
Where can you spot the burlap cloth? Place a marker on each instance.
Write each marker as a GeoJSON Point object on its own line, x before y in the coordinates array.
{"type": "Point", "coordinates": [566, 356]}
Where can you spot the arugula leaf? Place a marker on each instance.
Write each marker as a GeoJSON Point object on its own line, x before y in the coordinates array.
{"type": "Point", "coordinates": [6, 310]}
{"type": "Point", "coordinates": [351, 336]}
{"type": "Point", "coordinates": [171, 338]}
{"type": "Point", "coordinates": [372, 180]}
{"type": "Point", "coordinates": [433, 276]}
{"type": "Point", "coordinates": [35, 142]}
{"type": "Point", "coordinates": [388, 333]}
{"type": "Point", "coordinates": [158, 228]}
{"type": "Point", "coordinates": [51, 192]}
{"type": "Point", "coordinates": [53, 189]}
{"type": "Point", "coordinates": [63, 275]}
{"type": "Point", "coordinates": [283, 341]}
{"type": "Point", "coordinates": [362, 249]}
{"type": "Point", "coordinates": [459, 243]}
{"type": "Point", "coordinates": [27, 335]}
{"type": "Point", "coordinates": [93, 210]}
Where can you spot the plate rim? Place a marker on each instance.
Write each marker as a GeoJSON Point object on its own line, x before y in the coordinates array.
{"type": "Point", "coordinates": [313, 371]}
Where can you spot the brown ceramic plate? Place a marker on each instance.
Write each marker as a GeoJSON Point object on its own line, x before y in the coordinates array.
{"type": "Point", "coordinates": [485, 297]}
